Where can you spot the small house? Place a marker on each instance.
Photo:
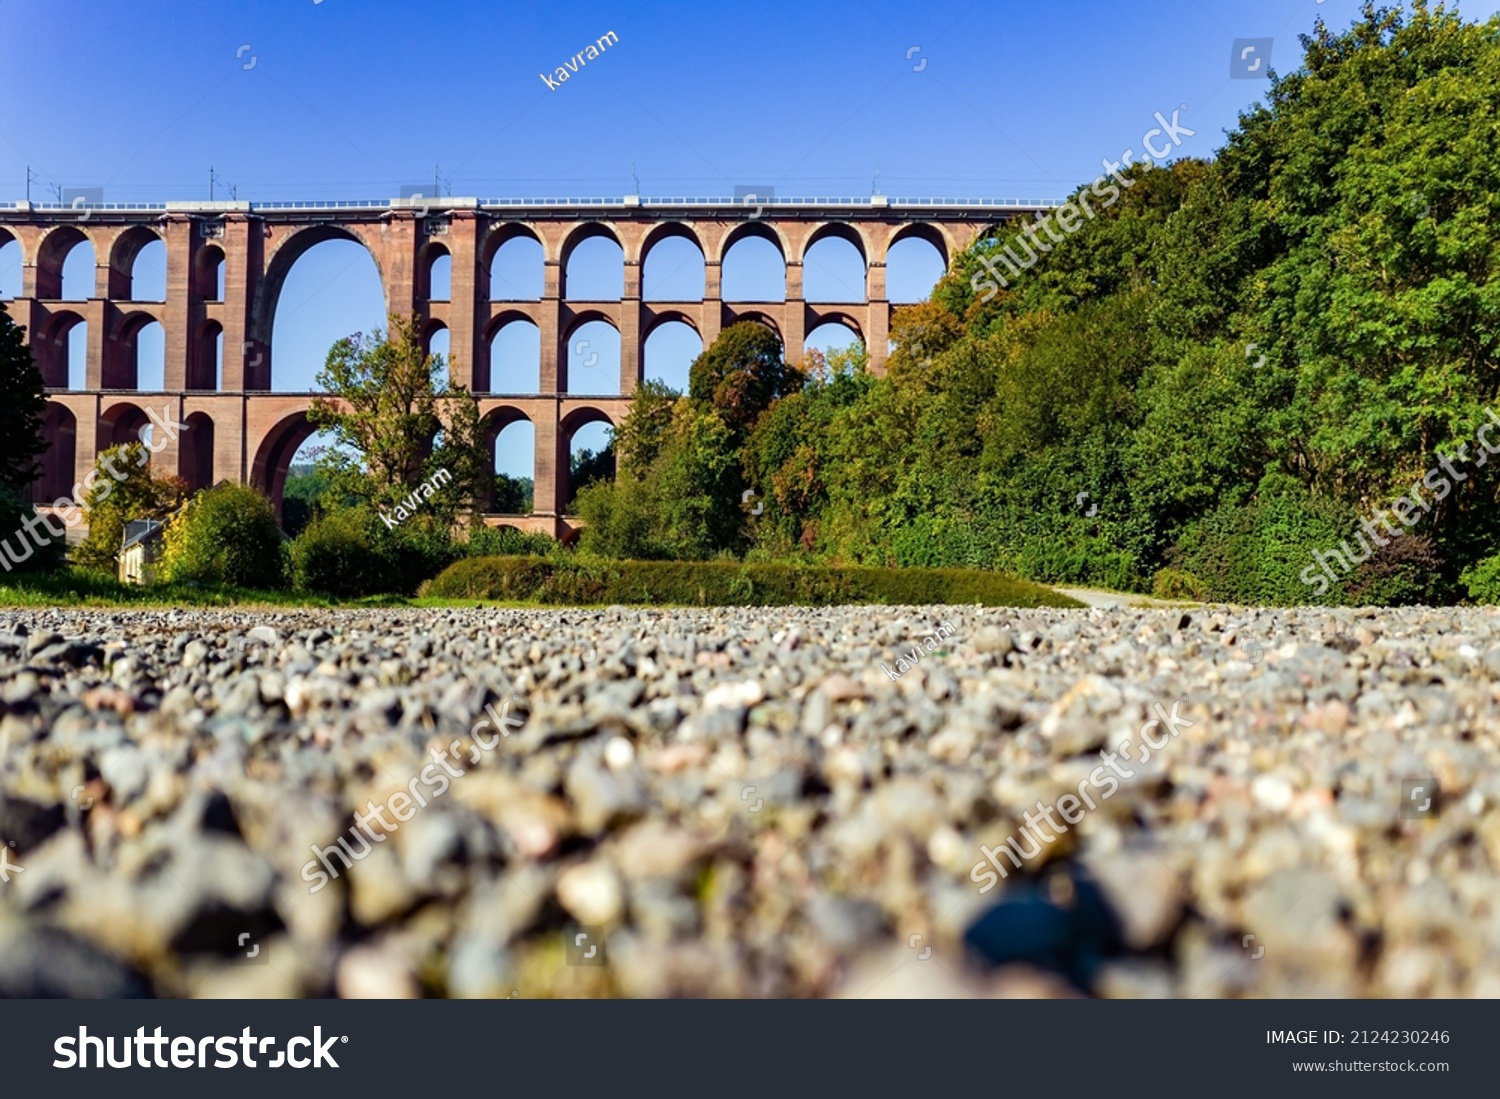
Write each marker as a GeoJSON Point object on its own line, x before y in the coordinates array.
{"type": "Point", "coordinates": [140, 551]}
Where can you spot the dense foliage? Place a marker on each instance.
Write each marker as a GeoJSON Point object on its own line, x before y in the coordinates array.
{"type": "Point", "coordinates": [225, 535]}
{"type": "Point", "coordinates": [1222, 373]}
{"type": "Point", "coordinates": [120, 489]}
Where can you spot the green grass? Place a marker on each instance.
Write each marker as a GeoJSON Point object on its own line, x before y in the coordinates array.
{"type": "Point", "coordinates": [725, 583]}
{"type": "Point", "coordinates": [80, 587]}
{"type": "Point", "coordinates": [530, 582]}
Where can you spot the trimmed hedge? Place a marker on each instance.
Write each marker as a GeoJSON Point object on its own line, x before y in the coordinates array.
{"type": "Point", "coordinates": [727, 583]}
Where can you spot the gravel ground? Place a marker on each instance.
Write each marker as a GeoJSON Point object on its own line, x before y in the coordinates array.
{"type": "Point", "coordinates": [743, 802]}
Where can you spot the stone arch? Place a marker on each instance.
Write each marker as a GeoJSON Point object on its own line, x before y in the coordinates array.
{"type": "Point", "coordinates": [833, 276]}
{"type": "Point", "coordinates": [671, 231]}
{"type": "Point", "coordinates": [753, 230]}
{"type": "Point", "coordinates": [50, 348]}
{"type": "Point", "coordinates": [121, 367]}
{"type": "Point", "coordinates": [922, 230]}
{"type": "Point", "coordinates": [587, 365]}
{"type": "Point", "coordinates": [494, 423]}
{"type": "Point", "coordinates": [515, 361]}
{"type": "Point", "coordinates": [121, 423]}
{"type": "Point", "coordinates": [434, 277]}
{"type": "Point", "coordinates": [839, 230]}
{"type": "Point", "coordinates": [916, 259]}
{"type": "Point", "coordinates": [53, 252]}
{"type": "Point", "coordinates": [766, 319]}
{"type": "Point", "coordinates": [59, 462]}
{"type": "Point", "coordinates": [274, 454]}
{"type": "Point", "coordinates": [501, 234]}
{"type": "Point", "coordinates": [196, 452]}
{"type": "Point", "coordinates": [123, 254]}
{"type": "Point", "coordinates": [582, 234]}
{"type": "Point", "coordinates": [658, 343]}
{"type": "Point", "coordinates": [206, 369]}
{"type": "Point", "coordinates": [279, 264]}
{"type": "Point", "coordinates": [208, 274]}
{"type": "Point", "coordinates": [568, 427]}
{"type": "Point", "coordinates": [12, 260]}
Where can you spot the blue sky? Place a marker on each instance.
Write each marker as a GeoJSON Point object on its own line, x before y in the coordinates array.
{"type": "Point", "coordinates": [358, 98]}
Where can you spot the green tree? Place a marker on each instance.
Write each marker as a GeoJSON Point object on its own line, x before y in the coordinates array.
{"type": "Point", "coordinates": [225, 535]}
{"type": "Point", "coordinates": [23, 402]}
{"type": "Point", "coordinates": [741, 373]}
{"type": "Point", "coordinates": [122, 488]}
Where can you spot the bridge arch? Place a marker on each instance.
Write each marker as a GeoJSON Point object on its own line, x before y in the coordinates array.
{"type": "Point", "coordinates": [123, 422]}
{"type": "Point", "coordinates": [56, 351]}
{"type": "Point", "coordinates": [502, 279]}
{"type": "Point", "coordinates": [572, 422]}
{"type": "Point", "coordinates": [52, 255]}
{"type": "Point", "coordinates": [60, 430]}
{"type": "Point", "coordinates": [126, 281]}
{"type": "Point", "coordinates": [495, 423]}
{"type": "Point", "coordinates": [592, 344]}
{"type": "Point", "coordinates": [274, 454]}
{"type": "Point", "coordinates": [208, 274]}
{"type": "Point", "coordinates": [582, 239]}
{"type": "Point", "coordinates": [206, 368]}
{"type": "Point", "coordinates": [279, 263]}
{"type": "Point", "coordinates": [513, 358]}
{"type": "Point", "coordinates": [196, 453]}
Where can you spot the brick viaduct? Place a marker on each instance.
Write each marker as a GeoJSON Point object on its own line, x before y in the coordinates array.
{"type": "Point", "coordinates": [241, 430]}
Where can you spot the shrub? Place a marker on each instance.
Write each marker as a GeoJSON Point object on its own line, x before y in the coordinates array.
{"type": "Point", "coordinates": [727, 583]}
{"type": "Point", "coordinates": [225, 535]}
{"type": "Point", "coordinates": [340, 554]}
{"type": "Point", "coordinates": [1407, 571]}
{"type": "Point", "coordinates": [1172, 583]}
{"type": "Point", "coordinates": [508, 542]}
{"type": "Point", "coordinates": [1482, 579]}
{"type": "Point", "coordinates": [33, 551]}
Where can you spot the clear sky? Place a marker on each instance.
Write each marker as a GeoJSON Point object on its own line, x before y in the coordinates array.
{"type": "Point", "coordinates": [306, 99]}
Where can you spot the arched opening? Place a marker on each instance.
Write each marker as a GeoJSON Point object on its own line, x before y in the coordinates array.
{"type": "Point", "coordinates": [325, 287]}
{"type": "Point", "coordinates": [670, 350]}
{"type": "Point", "coordinates": [60, 432]}
{"type": "Point", "coordinates": [208, 274]}
{"type": "Point", "coordinates": [143, 364]}
{"type": "Point", "coordinates": [439, 273]}
{"type": "Point", "coordinates": [123, 423]}
{"type": "Point", "coordinates": [60, 350]}
{"type": "Point", "coordinates": [674, 268]}
{"type": "Point", "coordinates": [589, 436]}
{"type": "Point", "coordinates": [593, 359]}
{"type": "Point", "coordinates": [513, 443]}
{"type": "Point", "coordinates": [10, 267]}
{"type": "Point", "coordinates": [517, 271]}
{"type": "Point", "coordinates": [914, 264]}
{"type": "Point", "coordinates": [594, 267]}
{"type": "Point", "coordinates": [516, 358]}
{"type": "Point", "coordinates": [138, 267]}
{"type": "Point", "coordinates": [439, 343]}
{"type": "Point", "coordinates": [196, 451]}
{"type": "Point", "coordinates": [274, 455]}
{"type": "Point", "coordinates": [206, 370]}
{"type": "Point", "coordinates": [831, 336]}
{"type": "Point", "coordinates": [304, 486]}
{"type": "Point", "coordinates": [65, 266]}
{"type": "Point", "coordinates": [833, 267]}
{"type": "Point", "coordinates": [754, 268]}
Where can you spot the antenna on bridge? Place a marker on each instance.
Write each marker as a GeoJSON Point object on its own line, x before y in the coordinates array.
{"type": "Point", "coordinates": [635, 181]}
{"type": "Point", "coordinates": [56, 189]}
{"type": "Point", "coordinates": [438, 181]}
{"type": "Point", "coordinates": [875, 187]}
{"type": "Point", "coordinates": [30, 178]}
